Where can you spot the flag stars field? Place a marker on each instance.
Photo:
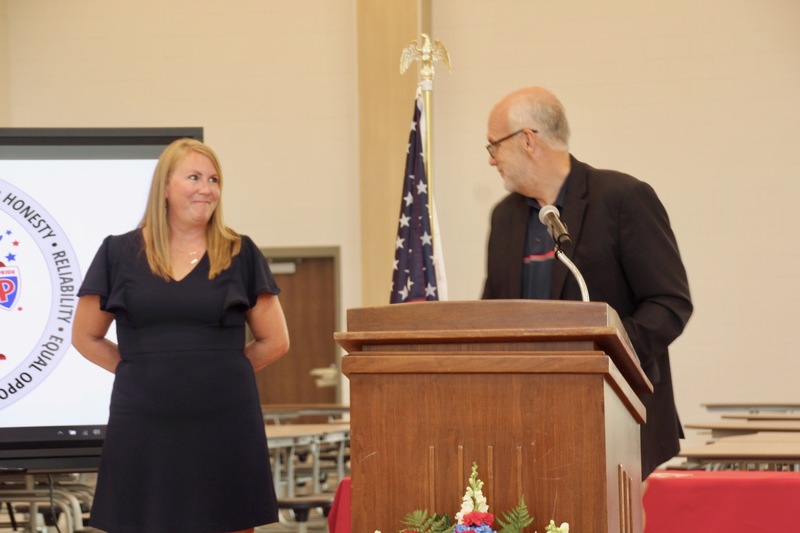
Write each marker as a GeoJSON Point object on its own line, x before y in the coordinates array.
{"type": "Point", "coordinates": [414, 275]}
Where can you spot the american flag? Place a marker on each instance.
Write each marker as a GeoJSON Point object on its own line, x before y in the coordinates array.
{"type": "Point", "coordinates": [414, 277]}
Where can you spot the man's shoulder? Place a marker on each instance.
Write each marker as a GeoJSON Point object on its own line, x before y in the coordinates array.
{"type": "Point", "coordinates": [614, 187]}
{"type": "Point", "coordinates": [587, 181]}
{"type": "Point", "coordinates": [606, 176]}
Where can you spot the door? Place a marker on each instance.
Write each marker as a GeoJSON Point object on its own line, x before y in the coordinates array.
{"type": "Point", "coordinates": [309, 288]}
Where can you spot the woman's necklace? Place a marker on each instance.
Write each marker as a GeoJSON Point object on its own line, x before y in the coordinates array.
{"type": "Point", "coordinates": [192, 257]}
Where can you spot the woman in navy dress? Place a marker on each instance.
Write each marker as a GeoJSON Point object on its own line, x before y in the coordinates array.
{"type": "Point", "coordinates": [185, 449]}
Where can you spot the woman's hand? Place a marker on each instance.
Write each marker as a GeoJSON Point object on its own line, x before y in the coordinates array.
{"type": "Point", "coordinates": [268, 326]}
{"type": "Point", "coordinates": [89, 333]}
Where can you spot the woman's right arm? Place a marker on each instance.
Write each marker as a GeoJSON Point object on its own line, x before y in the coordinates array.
{"type": "Point", "coordinates": [89, 333]}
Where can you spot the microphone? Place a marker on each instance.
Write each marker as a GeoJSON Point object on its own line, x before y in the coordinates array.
{"type": "Point", "coordinates": [548, 215]}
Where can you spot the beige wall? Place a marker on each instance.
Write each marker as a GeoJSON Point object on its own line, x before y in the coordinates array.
{"type": "Point", "coordinates": [5, 104]}
{"type": "Point", "coordinates": [697, 98]}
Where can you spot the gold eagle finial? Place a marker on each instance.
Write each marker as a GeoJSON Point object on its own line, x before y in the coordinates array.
{"type": "Point", "coordinates": [427, 55]}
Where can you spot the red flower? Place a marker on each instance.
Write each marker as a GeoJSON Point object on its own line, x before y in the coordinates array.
{"type": "Point", "coordinates": [477, 518]}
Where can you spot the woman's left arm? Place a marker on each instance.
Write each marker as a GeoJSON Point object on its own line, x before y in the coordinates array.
{"type": "Point", "coordinates": [268, 326]}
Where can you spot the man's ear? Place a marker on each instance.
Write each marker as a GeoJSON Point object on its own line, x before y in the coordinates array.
{"type": "Point", "coordinates": [528, 136]}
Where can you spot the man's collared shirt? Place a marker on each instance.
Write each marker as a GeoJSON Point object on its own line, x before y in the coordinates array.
{"type": "Point", "coordinates": [537, 261]}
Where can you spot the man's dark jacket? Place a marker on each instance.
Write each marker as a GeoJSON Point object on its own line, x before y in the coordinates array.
{"type": "Point", "coordinates": [626, 251]}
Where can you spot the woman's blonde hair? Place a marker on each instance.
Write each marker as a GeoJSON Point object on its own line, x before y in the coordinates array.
{"type": "Point", "coordinates": [223, 242]}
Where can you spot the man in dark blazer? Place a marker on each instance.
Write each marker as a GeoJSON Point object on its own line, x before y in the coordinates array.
{"type": "Point", "coordinates": [621, 238]}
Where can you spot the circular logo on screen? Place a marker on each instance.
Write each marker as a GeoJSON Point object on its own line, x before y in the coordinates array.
{"type": "Point", "coordinates": [39, 281]}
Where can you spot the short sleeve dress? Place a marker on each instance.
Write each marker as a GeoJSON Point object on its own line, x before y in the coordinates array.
{"type": "Point", "coordinates": [185, 449]}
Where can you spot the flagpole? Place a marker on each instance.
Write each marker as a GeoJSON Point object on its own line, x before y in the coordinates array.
{"type": "Point", "coordinates": [426, 56]}
{"type": "Point", "coordinates": [427, 93]}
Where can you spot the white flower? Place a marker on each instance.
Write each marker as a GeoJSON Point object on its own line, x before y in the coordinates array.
{"type": "Point", "coordinates": [473, 499]}
{"type": "Point", "coordinates": [480, 501]}
{"type": "Point", "coordinates": [467, 506]}
{"type": "Point", "coordinates": [551, 528]}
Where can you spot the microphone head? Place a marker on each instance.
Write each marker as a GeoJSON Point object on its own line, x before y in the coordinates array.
{"type": "Point", "coordinates": [545, 211]}
{"type": "Point", "coordinates": [548, 215]}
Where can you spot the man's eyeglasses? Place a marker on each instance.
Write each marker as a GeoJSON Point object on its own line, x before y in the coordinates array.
{"type": "Point", "coordinates": [494, 144]}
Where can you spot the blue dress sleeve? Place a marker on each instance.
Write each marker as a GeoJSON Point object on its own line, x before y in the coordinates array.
{"type": "Point", "coordinates": [250, 276]}
{"type": "Point", "coordinates": [261, 279]}
{"type": "Point", "coordinates": [103, 277]}
{"type": "Point", "coordinates": [96, 279]}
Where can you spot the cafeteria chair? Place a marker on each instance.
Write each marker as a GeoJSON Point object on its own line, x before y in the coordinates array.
{"type": "Point", "coordinates": [301, 507]}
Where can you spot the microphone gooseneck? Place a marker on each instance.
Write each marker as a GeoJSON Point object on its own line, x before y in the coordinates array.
{"type": "Point", "coordinates": [549, 216]}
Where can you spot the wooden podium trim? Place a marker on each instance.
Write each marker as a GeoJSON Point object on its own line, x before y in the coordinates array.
{"type": "Point", "coordinates": [497, 363]}
{"type": "Point", "coordinates": [483, 314]}
{"type": "Point", "coordinates": [358, 338]}
{"type": "Point", "coordinates": [603, 341]}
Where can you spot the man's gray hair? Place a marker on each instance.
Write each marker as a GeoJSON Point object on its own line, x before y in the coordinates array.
{"type": "Point", "coordinates": [547, 115]}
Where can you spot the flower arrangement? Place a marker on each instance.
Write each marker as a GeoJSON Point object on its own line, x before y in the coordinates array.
{"type": "Point", "coordinates": [474, 516]}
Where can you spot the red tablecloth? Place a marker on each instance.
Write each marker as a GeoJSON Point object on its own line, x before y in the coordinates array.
{"type": "Point", "coordinates": [711, 502]}
{"type": "Point", "coordinates": [722, 502]}
{"type": "Point", "coordinates": [339, 515]}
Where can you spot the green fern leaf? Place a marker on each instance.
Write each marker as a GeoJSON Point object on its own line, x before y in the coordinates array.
{"type": "Point", "coordinates": [421, 522]}
{"type": "Point", "coordinates": [515, 520]}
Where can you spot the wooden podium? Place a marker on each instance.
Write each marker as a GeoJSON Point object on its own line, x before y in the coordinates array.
{"type": "Point", "coordinates": [541, 394]}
